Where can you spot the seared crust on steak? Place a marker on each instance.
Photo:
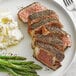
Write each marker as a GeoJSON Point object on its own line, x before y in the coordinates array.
{"type": "Point", "coordinates": [56, 53]}
{"type": "Point", "coordinates": [43, 22]}
{"type": "Point", "coordinates": [46, 58]}
{"type": "Point", "coordinates": [24, 13]}
{"type": "Point", "coordinates": [42, 18]}
{"type": "Point", "coordinates": [61, 34]}
{"type": "Point", "coordinates": [43, 27]}
{"type": "Point", "coordinates": [52, 40]}
{"type": "Point", "coordinates": [39, 25]}
{"type": "Point", "coordinates": [42, 14]}
{"type": "Point", "coordinates": [36, 17]}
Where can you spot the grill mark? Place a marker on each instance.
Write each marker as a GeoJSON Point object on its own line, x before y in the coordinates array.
{"type": "Point", "coordinates": [57, 31]}
{"type": "Point", "coordinates": [42, 22]}
{"type": "Point", "coordinates": [30, 22]}
{"type": "Point", "coordinates": [42, 14]}
{"type": "Point", "coordinates": [59, 55]}
{"type": "Point", "coordinates": [52, 40]}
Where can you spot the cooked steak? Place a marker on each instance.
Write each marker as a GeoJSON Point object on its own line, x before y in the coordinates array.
{"type": "Point", "coordinates": [52, 40]}
{"type": "Point", "coordinates": [42, 14]}
{"type": "Point", "coordinates": [49, 40]}
{"type": "Point", "coordinates": [55, 29]}
{"type": "Point", "coordinates": [37, 26]}
{"type": "Point", "coordinates": [46, 58]}
{"type": "Point", "coordinates": [24, 13]}
{"type": "Point", "coordinates": [42, 22]}
{"type": "Point", "coordinates": [36, 17]}
{"type": "Point", "coordinates": [47, 27]}
{"type": "Point", "coordinates": [41, 27]}
{"type": "Point", "coordinates": [65, 37]}
{"type": "Point", "coordinates": [39, 19]}
{"type": "Point", "coordinates": [56, 53]}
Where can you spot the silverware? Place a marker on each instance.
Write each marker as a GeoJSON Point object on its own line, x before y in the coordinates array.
{"type": "Point", "coordinates": [70, 5]}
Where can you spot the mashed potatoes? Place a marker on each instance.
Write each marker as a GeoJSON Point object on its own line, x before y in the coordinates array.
{"type": "Point", "coordinates": [10, 33]}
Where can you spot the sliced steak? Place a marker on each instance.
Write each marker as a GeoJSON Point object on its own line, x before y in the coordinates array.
{"type": "Point", "coordinates": [46, 58]}
{"type": "Point", "coordinates": [37, 26]}
{"type": "Point", "coordinates": [48, 39]}
{"type": "Point", "coordinates": [55, 29]}
{"type": "Point", "coordinates": [49, 48]}
{"type": "Point", "coordinates": [24, 13]}
{"type": "Point", "coordinates": [44, 27]}
{"type": "Point", "coordinates": [36, 17]}
{"type": "Point", "coordinates": [42, 22]}
{"type": "Point", "coordinates": [42, 14]}
{"type": "Point", "coordinates": [51, 39]}
{"type": "Point", "coordinates": [65, 37]}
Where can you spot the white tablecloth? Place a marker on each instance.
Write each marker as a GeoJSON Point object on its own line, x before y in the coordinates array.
{"type": "Point", "coordinates": [72, 69]}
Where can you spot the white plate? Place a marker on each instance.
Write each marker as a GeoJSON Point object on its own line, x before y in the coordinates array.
{"type": "Point", "coordinates": [24, 47]}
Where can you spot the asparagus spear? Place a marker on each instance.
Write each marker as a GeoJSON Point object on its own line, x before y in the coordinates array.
{"type": "Point", "coordinates": [32, 66]}
{"type": "Point", "coordinates": [12, 57]}
{"type": "Point", "coordinates": [16, 72]}
{"type": "Point", "coordinates": [27, 64]}
{"type": "Point", "coordinates": [2, 69]}
{"type": "Point", "coordinates": [8, 64]}
{"type": "Point", "coordinates": [25, 73]}
{"type": "Point", "coordinates": [21, 62]}
{"type": "Point", "coordinates": [35, 66]}
{"type": "Point", "coordinates": [18, 67]}
{"type": "Point", "coordinates": [10, 71]}
{"type": "Point", "coordinates": [30, 74]}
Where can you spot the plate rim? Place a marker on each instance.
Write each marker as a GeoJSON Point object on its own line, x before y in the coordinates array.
{"type": "Point", "coordinates": [75, 35]}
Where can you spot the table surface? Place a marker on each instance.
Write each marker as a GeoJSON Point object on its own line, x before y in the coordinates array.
{"type": "Point", "coordinates": [72, 69]}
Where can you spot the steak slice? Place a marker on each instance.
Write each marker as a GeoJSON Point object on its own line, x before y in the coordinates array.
{"type": "Point", "coordinates": [46, 58]}
{"type": "Point", "coordinates": [50, 39]}
{"type": "Point", "coordinates": [42, 14]}
{"type": "Point", "coordinates": [37, 26]}
{"type": "Point", "coordinates": [61, 34]}
{"type": "Point", "coordinates": [36, 17]}
{"type": "Point", "coordinates": [50, 49]}
{"type": "Point", "coordinates": [24, 13]}
{"type": "Point", "coordinates": [42, 22]}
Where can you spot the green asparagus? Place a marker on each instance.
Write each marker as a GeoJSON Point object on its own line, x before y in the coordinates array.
{"type": "Point", "coordinates": [28, 63]}
{"type": "Point", "coordinates": [10, 71]}
{"type": "Point", "coordinates": [8, 64]}
{"type": "Point", "coordinates": [17, 66]}
{"type": "Point", "coordinates": [25, 73]}
{"type": "Point", "coordinates": [2, 69]}
{"type": "Point", "coordinates": [12, 57]}
{"type": "Point", "coordinates": [35, 66]}
{"type": "Point", "coordinates": [21, 62]}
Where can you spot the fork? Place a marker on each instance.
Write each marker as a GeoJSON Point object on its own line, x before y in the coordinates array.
{"type": "Point", "coordinates": [70, 5]}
